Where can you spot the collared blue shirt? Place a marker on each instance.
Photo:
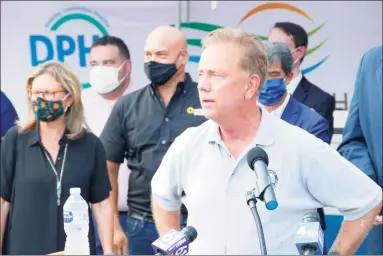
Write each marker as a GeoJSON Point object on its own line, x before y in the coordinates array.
{"type": "Point", "coordinates": [8, 114]}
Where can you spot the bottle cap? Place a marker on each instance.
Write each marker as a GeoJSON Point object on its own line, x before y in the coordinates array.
{"type": "Point", "coordinates": [75, 191]}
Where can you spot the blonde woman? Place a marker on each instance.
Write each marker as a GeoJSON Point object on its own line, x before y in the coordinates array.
{"type": "Point", "coordinates": [42, 159]}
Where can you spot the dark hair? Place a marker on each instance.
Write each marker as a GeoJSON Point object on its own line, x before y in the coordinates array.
{"type": "Point", "coordinates": [297, 33]}
{"type": "Point", "coordinates": [112, 40]}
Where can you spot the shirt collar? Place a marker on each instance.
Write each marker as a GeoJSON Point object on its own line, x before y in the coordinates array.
{"type": "Point", "coordinates": [264, 135]}
{"type": "Point", "coordinates": [292, 86]}
{"type": "Point", "coordinates": [184, 85]}
{"type": "Point", "coordinates": [34, 136]}
{"type": "Point", "coordinates": [279, 111]}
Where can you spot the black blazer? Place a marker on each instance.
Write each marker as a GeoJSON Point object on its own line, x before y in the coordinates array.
{"type": "Point", "coordinates": [314, 97]}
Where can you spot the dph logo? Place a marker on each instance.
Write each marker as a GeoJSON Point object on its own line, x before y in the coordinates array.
{"type": "Point", "coordinates": [56, 45]}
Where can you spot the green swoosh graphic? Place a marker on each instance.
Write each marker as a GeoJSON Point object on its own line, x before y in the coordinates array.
{"type": "Point", "coordinates": [263, 38]}
{"type": "Point", "coordinates": [312, 32]}
{"type": "Point", "coordinates": [79, 16]}
{"type": "Point", "coordinates": [211, 27]}
{"type": "Point", "coordinates": [200, 26]}
{"type": "Point", "coordinates": [194, 42]}
{"type": "Point", "coordinates": [312, 50]}
{"type": "Point", "coordinates": [207, 27]}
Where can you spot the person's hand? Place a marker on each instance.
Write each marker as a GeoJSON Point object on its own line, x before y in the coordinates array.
{"type": "Point", "coordinates": [378, 220]}
{"type": "Point", "coordinates": [120, 241]}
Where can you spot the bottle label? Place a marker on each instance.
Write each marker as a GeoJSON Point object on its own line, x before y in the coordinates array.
{"type": "Point", "coordinates": [68, 217]}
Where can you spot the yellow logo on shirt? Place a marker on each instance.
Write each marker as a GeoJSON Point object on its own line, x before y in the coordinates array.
{"type": "Point", "coordinates": [194, 111]}
{"type": "Point", "coordinates": [190, 110]}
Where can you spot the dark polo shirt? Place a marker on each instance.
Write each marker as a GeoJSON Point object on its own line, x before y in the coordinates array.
{"type": "Point", "coordinates": [141, 129]}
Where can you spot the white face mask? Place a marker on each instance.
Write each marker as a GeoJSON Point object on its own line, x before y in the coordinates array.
{"type": "Point", "coordinates": [297, 60]}
{"type": "Point", "coordinates": [105, 79]}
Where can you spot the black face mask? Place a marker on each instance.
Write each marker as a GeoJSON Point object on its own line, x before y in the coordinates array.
{"type": "Point", "coordinates": [159, 73]}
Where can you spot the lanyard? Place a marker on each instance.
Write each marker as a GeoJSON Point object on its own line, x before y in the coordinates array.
{"type": "Point", "coordinates": [59, 179]}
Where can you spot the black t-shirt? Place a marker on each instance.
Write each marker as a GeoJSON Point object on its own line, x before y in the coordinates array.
{"type": "Point", "coordinates": [35, 223]}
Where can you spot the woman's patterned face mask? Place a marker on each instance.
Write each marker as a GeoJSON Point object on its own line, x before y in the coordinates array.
{"type": "Point", "coordinates": [48, 111]}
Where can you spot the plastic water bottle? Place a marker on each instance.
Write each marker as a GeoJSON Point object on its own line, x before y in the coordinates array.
{"type": "Point", "coordinates": [76, 224]}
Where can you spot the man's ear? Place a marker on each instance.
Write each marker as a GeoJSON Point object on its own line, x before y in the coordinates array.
{"type": "Point", "coordinates": [289, 78]}
{"type": "Point", "coordinates": [302, 52]}
{"type": "Point", "coordinates": [184, 57]}
{"type": "Point", "coordinates": [252, 88]}
{"type": "Point", "coordinates": [128, 66]}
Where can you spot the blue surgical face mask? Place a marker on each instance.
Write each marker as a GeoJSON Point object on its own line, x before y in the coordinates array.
{"type": "Point", "coordinates": [272, 92]}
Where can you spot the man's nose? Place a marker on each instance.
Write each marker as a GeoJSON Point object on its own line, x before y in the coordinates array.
{"type": "Point", "coordinates": [204, 85]}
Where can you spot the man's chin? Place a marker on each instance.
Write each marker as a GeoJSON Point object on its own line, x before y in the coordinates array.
{"type": "Point", "coordinates": [209, 114]}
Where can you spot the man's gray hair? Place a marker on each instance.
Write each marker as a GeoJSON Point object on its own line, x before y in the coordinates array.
{"type": "Point", "coordinates": [279, 51]}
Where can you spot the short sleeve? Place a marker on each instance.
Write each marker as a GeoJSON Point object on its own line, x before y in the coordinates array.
{"type": "Point", "coordinates": [335, 182]}
{"type": "Point", "coordinates": [8, 154]}
{"type": "Point", "coordinates": [100, 184]}
{"type": "Point", "coordinates": [113, 136]}
{"type": "Point", "coordinates": [167, 184]}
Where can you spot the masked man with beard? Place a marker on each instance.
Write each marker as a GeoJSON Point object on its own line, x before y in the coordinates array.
{"type": "Point", "coordinates": [110, 79]}
{"type": "Point", "coordinates": [141, 128]}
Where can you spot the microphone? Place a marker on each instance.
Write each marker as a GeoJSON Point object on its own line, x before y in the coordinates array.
{"type": "Point", "coordinates": [309, 237]}
{"type": "Point", "coordinates": [258, 161]}
{"type": "Point", "coordinates": [175, 242]}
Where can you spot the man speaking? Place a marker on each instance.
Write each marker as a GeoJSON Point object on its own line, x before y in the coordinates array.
{"type": "Point", "coordinates": [206, 168]}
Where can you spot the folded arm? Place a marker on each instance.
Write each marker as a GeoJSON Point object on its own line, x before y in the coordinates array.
{"type": "Point", "coordinates": [352, 233]}
{"type": "Point", "coordinates": [335, 182]}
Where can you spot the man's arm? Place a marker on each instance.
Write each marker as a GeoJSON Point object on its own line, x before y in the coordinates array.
{"type": "Point", "coordinates": [114, 139]}
{"type": "Point", "coordinates": [113, 178]}
{"type": "Point", "coordinates": [353, 146]}
{"type": "Point", "coordinates": [335, 182]}
{"type": "Point", "coordinates": [352, 233]}
{"type": "Point", "coordinates": [167, 187]}
{"type": "Point", "coordinates": [165, 220]}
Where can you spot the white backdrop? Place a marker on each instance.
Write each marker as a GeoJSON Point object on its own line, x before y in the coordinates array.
{"type": "Point", "coordinates": [349, 30]}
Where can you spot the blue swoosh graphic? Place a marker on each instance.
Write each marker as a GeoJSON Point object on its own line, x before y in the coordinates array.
{"type": "Point", "coordinates": [315, 66]}
{"type": "Point", "coordinates": [194, 58]}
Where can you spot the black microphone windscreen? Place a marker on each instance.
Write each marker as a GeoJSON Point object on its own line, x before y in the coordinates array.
{"type": "Point", "coordinates": [255, 154]}
{"type": "Point", "coordinates": [190, 232]}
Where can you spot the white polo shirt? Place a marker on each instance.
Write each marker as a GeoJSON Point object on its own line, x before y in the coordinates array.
{"type": "Point", "coordinates": [309, 174]}
{"type": "Point", "coordinates": [97, 111]}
